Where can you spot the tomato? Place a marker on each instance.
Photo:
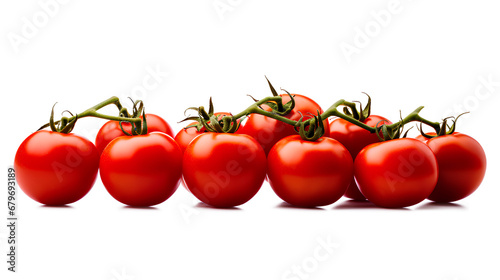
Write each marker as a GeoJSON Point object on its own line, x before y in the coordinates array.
{"type": "Point", "coordinates": [396, 173]}
{"type": "Point", "coordinates": [186, 135]}
{"type": "Point", "coordinates": [462, 165]}
{"type": "Point", "coordinates": [141, 170]}
{"type": "Point", "coordinates": [55, 168]}
{"type": "Point", "coordinates": [268, 131]}
{"type": "Point", "coordinates": [355, 138]}
{"type": "Point", "coordinates": [309, 173]}
{"type": "Point", "coordinates": [224, 169]}
{"type": "Point", "coordinates": [111, 130]}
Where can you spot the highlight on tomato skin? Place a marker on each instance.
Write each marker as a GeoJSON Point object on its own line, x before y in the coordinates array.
{"type": "Point", "coordinates": [355, 138]}
{"type": "Point", "coordinates": [141, 170]}
{"type": "Point", "coordinates": [224, 170]}
{"type": "Point", "coordinates": [55, 168]}
{"type": "Point", "coordinates": [396, 173]}
{"type": "Point", "coordinates": [462, 166]}
{"type": "Point", "coordinates": [111, 130]}
{"type": "Point", "coordinates": [309, 173]}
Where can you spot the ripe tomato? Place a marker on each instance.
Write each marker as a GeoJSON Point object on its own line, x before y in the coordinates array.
{"type": "Point", "coordinates": [186, 135]}
{"type": "Point", "coordinates": [396, 173]}
{"type": "Point", "coordinates": [462, 165]}
{"type": "Point", "coordinates": [355, 138]}
{"type": "Point", "coordinates": [141, 170]}
{"type": "Point", "coordinates": [224, 169]}
{"type": "Point", "coordinates": [55, 168]}
{"type": "Point", "coordinates": [111, 130]}
{"type": "Point", "coordinates": [309, 174]}
{"type": "Point", "coordinates": [268, 131]}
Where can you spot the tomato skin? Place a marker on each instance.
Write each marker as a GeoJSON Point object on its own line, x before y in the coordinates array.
{"type": "Point", "coordinates": [55, 168]}
{"type": "Point", "coordinates": [111, 130]}
{"type": "Point", "coordinates": [186, 135]}
{"type": "Point", "coordinates": [268, 131]}
{"type": "Point", "coordinates": [224, 169]}
{"type": "Point", "coordinates": [396, 173]}
{"type": "Point", "coordinates": [141, 170]}
{"type": "Point", "coordinates": [355, 138]}
{"type": "Point", "coordinates": [462, 165]}
{"type": "Point", "coordinates": [309, 174]}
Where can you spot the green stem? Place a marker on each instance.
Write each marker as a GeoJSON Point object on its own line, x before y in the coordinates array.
{"type": "Point", "coordinates": [256, 109]}
{"type": "Point", "coordinates": [332, 111]}
{"type": "Point", "coordinates": [92, 112]}
{"type": "Point", "coordinates": [391, 131]}
{"type": "Point", "coordinates": [414, 116]}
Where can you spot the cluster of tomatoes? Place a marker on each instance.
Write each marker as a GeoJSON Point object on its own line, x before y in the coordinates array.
{"type": "Point", "coordinates": [228, 169]}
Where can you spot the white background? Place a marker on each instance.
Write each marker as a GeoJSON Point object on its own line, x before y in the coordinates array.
{"type": "Point", "coordinates": [432, 53]}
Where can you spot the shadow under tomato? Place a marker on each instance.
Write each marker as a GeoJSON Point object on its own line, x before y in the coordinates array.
{"type": "Point", "coordinates": [290, 206]}
{"type": "Point", "coordinates": [362, 204]}
{"type": "Point", "coordinates": [440, 205]}
{"type": "Point", "coordinates": [140, 208]}
{"type": "Point", "coordinates": [57, 206]}
{"type": "Point", "coordinates": [206, 206]}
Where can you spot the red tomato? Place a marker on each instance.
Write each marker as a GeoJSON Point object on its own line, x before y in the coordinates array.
{"type": "Point", "coordinates": [141, 170]}
{"type": "Point", "coordinates": [462, 165]}
{"type": "Point", "coordinates": [268, 131]}
{"type": "Point", "coordinates": [111, 130]}
{"type": "Point", "coordinates": [355, 138]}
{"type": "Point", "coordinates": [309, 174]}
{"type": "Point", "coordinates": [55, 168]}
{"type": "Point", "coordinates": [186, 135]}
{"type": "Point", "coordinates": [224, 169]}
{"type": "Point", "coordinates": [396, 173]}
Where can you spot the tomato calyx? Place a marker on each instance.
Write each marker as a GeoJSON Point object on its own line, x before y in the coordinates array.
{"type": "Point", "coordinates": [444, 128]}
{"type": "Point", "coordinates": [391, 134]}
{"type": "Point", "coordinates": [315, 130]}
{"type": "Point", "coordinates": [66, 124]}
{"type": "Point", "coordinates": [211, 121]}
{"type": "Point", "coordinates": [278, 107]}
{"type": "Point", "coordinates": [137, 128]}
{"type": "Point", "coordinates": [363, 113]}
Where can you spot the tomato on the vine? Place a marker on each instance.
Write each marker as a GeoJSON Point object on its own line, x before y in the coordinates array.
{"type": "Point", "coordinates": [355, 138]}
{"type": "Point", "coordinates": [224, 169]}
{"type": "Point", "coordinates": [268, 131]}
{"type": "Point", "coordinates": [309, 173]}
{"type": "Point", "coordinates": [186, 135]}
{"type": "Point", "coordinates": [111, 130]}
{"type": "Point", "coordinates": [56, 168]}
{"type": "Point", "coordinates": [396, 173]}
{"type": "Point", "coordinates": [141, 170]}
{"type": "Point", "coordinates": [462, 165]}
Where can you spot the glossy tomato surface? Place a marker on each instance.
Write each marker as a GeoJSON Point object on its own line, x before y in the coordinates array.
{"type": "Point", "coordinates": [224, 169]}
{"type": "Point", "coordinates": [141, 170]}
{"type": "Point", "coordinates": [308, 174]}
{"type": "Point", "coordinates": [462, 165]}
{"type": "Point", "coordinates": [111, 130]}
{"type": "Point", "coordinates": [55, 168]}
{"type": "Point", "coordinates": [268, 131]}
{"type": "Point", "coordinates": [186, 135]}
{"type": "Point", "coordinates": [396, 173]}
{"type": "Point", "coordinates": [355, 138]}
